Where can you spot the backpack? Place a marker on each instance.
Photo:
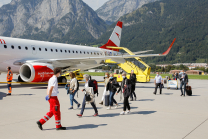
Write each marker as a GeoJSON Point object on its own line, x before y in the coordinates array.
{"type": "Point", "coordinates": [96, 87]}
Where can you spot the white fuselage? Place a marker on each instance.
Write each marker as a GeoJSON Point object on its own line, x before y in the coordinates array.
{"type": "Point", "coordinates": [13, 51]}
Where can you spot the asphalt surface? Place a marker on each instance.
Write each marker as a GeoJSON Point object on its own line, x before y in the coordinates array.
{"type": "Point", "coordinates": [166, 116]}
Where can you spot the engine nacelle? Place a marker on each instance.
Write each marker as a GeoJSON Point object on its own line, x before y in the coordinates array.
{"type": "Point", "coordinates": [36, 72]}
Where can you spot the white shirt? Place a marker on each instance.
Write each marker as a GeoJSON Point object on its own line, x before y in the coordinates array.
{"type": "Point", "coordinates": [73, 84]}
{"type": "Point", "coordinates": [86, 84]}
{"type": "Point", "coordinates": [158, 79]}
{"type": "Point", "coordinates": [53, 82]}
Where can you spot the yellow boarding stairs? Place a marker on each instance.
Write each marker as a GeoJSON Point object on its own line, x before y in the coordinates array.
{"type": "Point", "coordinates": [141, 69]}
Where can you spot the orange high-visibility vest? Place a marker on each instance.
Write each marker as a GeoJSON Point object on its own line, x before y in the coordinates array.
{"type": "Point", "coordinates": [9, 74]}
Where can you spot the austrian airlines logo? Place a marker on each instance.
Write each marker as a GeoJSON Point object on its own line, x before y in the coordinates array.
{"type": "Point", "coordinates": [118, 35]}
{"type": "Point", "coordinates": [2, 41]}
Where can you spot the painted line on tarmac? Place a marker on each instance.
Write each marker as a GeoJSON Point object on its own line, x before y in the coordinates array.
{"type": "Point", "coordinates": [37, 83]}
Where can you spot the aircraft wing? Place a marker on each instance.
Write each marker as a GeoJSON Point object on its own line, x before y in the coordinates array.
{"type": "Point", "coordinates": [64, 62]}
{"type": "Point", "coordinates": [140, 52]}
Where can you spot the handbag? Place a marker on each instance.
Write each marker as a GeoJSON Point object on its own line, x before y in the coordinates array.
{"type": "Point", "coordinates": [162, 86]}
{"type": "Point", "coordinates": [87, 97]}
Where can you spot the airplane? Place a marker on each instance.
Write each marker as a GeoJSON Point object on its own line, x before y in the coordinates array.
{"type": "Point", "coordinates": [34, 60]}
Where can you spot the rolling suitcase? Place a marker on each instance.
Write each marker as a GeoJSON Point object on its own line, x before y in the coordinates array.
{"type": "Point", "coordinates": [188, 90]}
{"type": "Point", "coordinates": [107, 100]}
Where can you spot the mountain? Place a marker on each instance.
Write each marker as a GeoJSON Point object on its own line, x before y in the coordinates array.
{"type": "Point", "coordinates": [67, 21]}
{"type": "Point", "coordinates": [155, 25]}
{"type": "Point", "coordinates": [112, 10]}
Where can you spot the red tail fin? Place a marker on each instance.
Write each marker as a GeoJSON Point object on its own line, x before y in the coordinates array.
{"type": "Point", "coordinates": [115, 38]}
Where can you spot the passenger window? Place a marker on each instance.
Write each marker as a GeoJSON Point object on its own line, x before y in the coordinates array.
{"type": "Point", "coordinates": [84, 52]}
{"type": "Point", "coordinates": [26, 48]}
{"type": "Point", "coordinates": [12, 47]}
{"type": "Point", "coordinates": [94, 53]}
{"type": "Point", "coordinates": [46, 49]}
{"type": "Point", "coordinates": [87, 52]}
{"type": "Point", "coordinates": [101, 54]}
{"type": "Point", "coordinates": [19, 47]}
{"type": "Point", "coordinates": [80, 52]}
{"type": "Point", "coordinates": [76, 51]}
{"type": "Point", "coordinates": [65, 51]}
{"type": "Point", "coordinates": [51, 50]}
{"type": "Point", "coordinates": [91, 53]}
{"type": "Point", "coordinates": [5, 46]}
{"type": "Point", "coordinates": [97, 53]}
{"type": "Point", "coordinates": [56, 50]}
{"type": "Point", "coordinates": [61, 51]}
{"type": "Point", "coordinates": [39, 49]}
{"type": "Point", "coordinates": [73, 51]}
{"type": "Point", "coordinates": [69, 51]}
{"type": "Point", "coordinates": [34, 48]}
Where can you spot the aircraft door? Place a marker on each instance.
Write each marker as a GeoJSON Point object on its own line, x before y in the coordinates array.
{"type": "Point", "coordinates": [34, 49]}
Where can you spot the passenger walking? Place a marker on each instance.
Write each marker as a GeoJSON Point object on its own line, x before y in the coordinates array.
{"type": "Point", "coordinates": [126, 90]}
{"type": "Point", "coordinates": [52, 92]}
{"type": "Point", "coordinates": [105, 92]}
{"type": "Point", "coordinates": [88, 84]}
{"type": "Point", "coordinates": [72, 89]}
{"type": "Point", "coordinates": [112, 87]}
{"type": "Point", "coordinates": [158, 83]}
{"type": "Point", "coordinates": [133, 80]}
{"type": "Point", "coordinates": [9, 81]}
{"type": "Point", "coordinates": [184, 82]}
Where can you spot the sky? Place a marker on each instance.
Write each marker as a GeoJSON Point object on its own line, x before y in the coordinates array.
{"type": "Point", "coordinates": [94, 4]}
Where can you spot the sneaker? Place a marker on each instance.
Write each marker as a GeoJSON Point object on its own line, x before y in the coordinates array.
{"type": "Point", "coordinates": [71, 108]}
{"type": "Point", "coordinates": [108, 108]}
{"type": "Point", "coordinates": [9, 94]}
{"type": "Point", "coordinates": [122, 113]}
{"type": "Point", "coordinates": [101, 103]}
{"type": "Point", "coordinates": [78, 106]}
{"type": "Point", "coordinates": [39, 125]}
{"type": "Point", "coordinates": [95, 115]}
{"type": "Point", "coordinates": [127, 112]}
{"type": "Point", "coordinates": [61, 128]}
{"type": "Point", "coordinates": [116, 106]}
{"type": "Point", "coordinates": [79, 115]}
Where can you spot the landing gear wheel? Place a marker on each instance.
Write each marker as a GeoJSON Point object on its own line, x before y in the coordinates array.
{"type": "Point", "coordinates": [62, 79]}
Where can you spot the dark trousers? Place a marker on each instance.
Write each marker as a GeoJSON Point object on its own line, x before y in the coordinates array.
{"type": "Point", "coordinates": [183, 84]}
{"type": "Point", "coordinates": [83, 106]}
{"type": "Point", "coordinates": [133, 91]}
{"type": "Point", "coordinates": [158, 85]}
{"type": "Point", "coordinates": [126, 104]}
{"type": "Point", "coordinates": [111, 98]}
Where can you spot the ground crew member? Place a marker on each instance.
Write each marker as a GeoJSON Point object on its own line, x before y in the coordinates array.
{"type": "Point", "coordinates": [184, 82]}
{"type": "Point", "coordinates": [9, 81]}
{"type": "Point", "coordinates": [158, 83]}
{"type": "Point", "coordinates": [51, 97]}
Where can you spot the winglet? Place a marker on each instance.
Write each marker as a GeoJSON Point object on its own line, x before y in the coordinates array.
{"type": "Point", "coordinates": [166, 52]}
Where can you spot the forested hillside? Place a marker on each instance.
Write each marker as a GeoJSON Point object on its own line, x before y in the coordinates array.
{"type": "Point", "coordinates": [155, 25]}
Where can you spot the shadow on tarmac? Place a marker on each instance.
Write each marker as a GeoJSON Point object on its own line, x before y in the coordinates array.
{"type": "Point", "coordinates": [2, 95]}
{"type": "Point", "coordinates": [167, 93]}
{"type": "Point", "coordinates": [118, 114]}
{"type": "Point", "coordinates": [87, 126]}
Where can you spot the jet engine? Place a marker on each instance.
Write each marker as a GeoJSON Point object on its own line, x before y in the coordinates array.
{"type": "Point", "coordinates": [36, 72]}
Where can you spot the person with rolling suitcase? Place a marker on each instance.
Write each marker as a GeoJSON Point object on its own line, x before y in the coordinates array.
{"type": "Point", "coordinates": [184, 82]}
{"type": "Point", "coordinates": [106, 80]}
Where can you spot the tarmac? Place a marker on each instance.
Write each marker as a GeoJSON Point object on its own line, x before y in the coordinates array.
{"type": "Point", "coordinates": [165, 116]}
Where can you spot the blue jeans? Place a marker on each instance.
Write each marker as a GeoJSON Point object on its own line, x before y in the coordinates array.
{"type": "Point", "coordinates": [183, 84]}
{"type": "Point", "coordinates": [111, 98]}
{"type": "Point", "coordinates": [71, 96]}
{"type": "Point", "coordinates": [83, 106]}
